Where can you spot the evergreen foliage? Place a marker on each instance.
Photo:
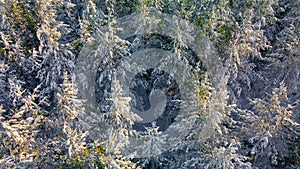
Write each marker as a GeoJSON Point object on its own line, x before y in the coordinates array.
{"type": "Point", "coordinates": [43, 122]}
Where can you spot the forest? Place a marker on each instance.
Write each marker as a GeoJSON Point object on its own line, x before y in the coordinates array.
{"type": "Point", "coordinates": [154, 84]}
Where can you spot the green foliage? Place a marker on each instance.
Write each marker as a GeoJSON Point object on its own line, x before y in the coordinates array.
{"type": "Point", "coordinates": [23, 22]}
{"type": "Point", "coordinates": [266, 31]}
{"type": "Point", "coordinates": [22, 16]}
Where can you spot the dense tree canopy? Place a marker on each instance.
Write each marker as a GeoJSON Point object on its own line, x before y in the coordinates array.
{"type": "Point", "coordinates": [242, 109]}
